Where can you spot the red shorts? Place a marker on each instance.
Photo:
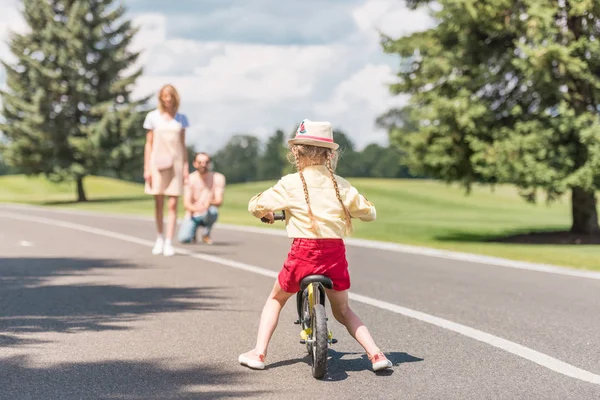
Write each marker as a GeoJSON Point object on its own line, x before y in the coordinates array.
{"type": "Point", "coordinates": [315, 256]}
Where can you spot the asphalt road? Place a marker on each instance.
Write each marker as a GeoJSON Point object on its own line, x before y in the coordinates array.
{"type": "Point", "coordinates": [86, 312]}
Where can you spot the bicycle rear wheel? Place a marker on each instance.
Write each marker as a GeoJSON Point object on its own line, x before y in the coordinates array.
{"type": "Point", "coordinates": [319, 344]}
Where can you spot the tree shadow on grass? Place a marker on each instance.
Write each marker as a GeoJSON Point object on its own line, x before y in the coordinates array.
{"type": "Point", "coordinates": [30, 303]}
{"type": "Point", "coordinates": [117, 379]}
{"type": "Point", "coordinates": [122, 199]}
{"type": "Point", "coordinates": [533, 237]}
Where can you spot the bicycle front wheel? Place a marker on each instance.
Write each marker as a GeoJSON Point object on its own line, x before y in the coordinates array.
{"type": "Point", "coordinates": [319, 345]}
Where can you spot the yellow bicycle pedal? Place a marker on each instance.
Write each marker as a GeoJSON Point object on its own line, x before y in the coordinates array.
{"type": "Point", "coordinates": [305, 333]}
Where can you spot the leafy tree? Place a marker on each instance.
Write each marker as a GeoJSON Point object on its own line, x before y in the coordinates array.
{"type": "Point", "coordinates": [376, 161]}
{"type": "Point", "coordinates": [238, 159]}
{"type": "Point", "coordinates": [368, 158]}
{"type": "Point", "coordinates": [507, 91]}
{"type": "Point", "coordinates": [349, 159]}
{"type": "Point", "coordinates": [191, 153]}
{"type": "Point", "coordinates": [273, 160]}
{"type": "Point", "coordinates": [400, 121]}
{"type": "Point", "coordinates": [391, 165]}
{"type": "Point", "coordinates": [4, 169]}
{"type": "Point", "coordinates": [68, 110]}
{"type": "Point", "coordinates": [289, 167]}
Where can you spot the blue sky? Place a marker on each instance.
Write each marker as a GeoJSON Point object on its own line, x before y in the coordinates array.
{"type": "Point", "coordinates": [253, 66]}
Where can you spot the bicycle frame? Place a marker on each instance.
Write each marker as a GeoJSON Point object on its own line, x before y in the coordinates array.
{"type": "Point", "coordinates": [315, 294]}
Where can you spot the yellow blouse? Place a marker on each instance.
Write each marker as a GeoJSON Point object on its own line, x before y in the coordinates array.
{"type": "Point", "coordinates": [288, 194]}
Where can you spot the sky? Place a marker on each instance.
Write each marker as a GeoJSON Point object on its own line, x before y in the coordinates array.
{"type": "Point", "coordinates": [254, 66]}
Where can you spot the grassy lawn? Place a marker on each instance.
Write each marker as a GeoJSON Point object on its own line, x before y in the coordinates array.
{"type": "Point", "coordinates": [409, 211]}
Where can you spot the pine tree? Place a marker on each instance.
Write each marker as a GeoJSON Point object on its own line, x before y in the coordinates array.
{"type": "Point", "coordinates": [507, 91]}
{"type": "Point", "coordinates": [68, 109]}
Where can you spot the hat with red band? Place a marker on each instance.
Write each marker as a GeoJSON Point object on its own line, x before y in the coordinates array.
{"type": "Point", "coordinates": [315, 134]}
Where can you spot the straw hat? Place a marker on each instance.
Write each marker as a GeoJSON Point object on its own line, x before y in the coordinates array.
{"type": "Point", "coordinates": [315, 134]}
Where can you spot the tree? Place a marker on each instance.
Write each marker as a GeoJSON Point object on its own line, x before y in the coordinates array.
{"type": "Point", "coordinates": [191, 153]}
{"type": "Point", "coordinates": [349, 159]}
{"type": "Point", "coordinates": [273, 160]}
{"type": "Point", "coordinates": [4, 169]}
{"type": "Point", "coordinates": [507, 91]}
{"type": "Point", "coordinates": [68, 109]}
{"type": "Point", "coordinates": [400, 121]}
{"type": "Point", "coordinates": [238, 159]}
{"type": "Point", "coordinates": [391, 164]}
{"type": "Point", "coordinates": [381, 162]}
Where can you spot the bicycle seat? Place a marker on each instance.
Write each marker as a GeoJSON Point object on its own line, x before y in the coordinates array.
{"type": "Point", "coordinates": [307, 280]}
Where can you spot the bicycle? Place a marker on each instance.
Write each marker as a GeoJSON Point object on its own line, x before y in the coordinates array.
{"type": "Point", "coordinates": [310, 305]}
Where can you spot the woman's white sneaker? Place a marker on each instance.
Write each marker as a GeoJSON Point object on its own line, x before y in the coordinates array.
{"type": "Point", "coordinates": [158, 246]}
{"type": "Point", "coordinates": [168, 250]}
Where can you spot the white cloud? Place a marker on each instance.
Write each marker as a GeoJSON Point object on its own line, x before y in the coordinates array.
{"type": "Point", "coordinates": [152, 30]}
{"type": "Point", "coordinates": [390, 17]}
{"type": "Point", "coordinates": [306, 22]}
{"type": "Point", "coordinates": [237, 81]}
{"type": "Point", "coordinates": [162, 56]}
{"type": "Point", "coordinates": [263, 73]}
{"type": "Point", "coordinates": [10, 21]}
{"type": "Point", "coordinates": [359, 100]}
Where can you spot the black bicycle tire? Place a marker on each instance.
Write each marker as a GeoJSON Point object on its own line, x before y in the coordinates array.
{"type": "Point", "coordinates": [319, 334]}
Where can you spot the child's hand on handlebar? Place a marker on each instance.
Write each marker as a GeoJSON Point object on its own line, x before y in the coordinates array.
{"type": "Point", "coordinates": [268, 218]}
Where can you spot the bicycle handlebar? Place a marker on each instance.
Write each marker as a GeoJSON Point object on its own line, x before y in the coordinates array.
{"type": "Point", "coordinates": [278, 217]}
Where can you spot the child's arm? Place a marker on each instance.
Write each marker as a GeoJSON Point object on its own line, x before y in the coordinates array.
{"type": "Point", "coordinates": [272, 199]}
{"type": "Point", "coordinates": [360, 207]}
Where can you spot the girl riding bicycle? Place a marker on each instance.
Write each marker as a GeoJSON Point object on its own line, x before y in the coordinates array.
{"type": "Point", "coordinates": [319, 206]}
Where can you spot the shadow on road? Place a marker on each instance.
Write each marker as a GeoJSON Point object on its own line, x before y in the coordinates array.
{"type": "Point", "coordinates": [31, 303]}
{"type": "Point", "coordinates": [116, 379]}
{"type": "Point", "coordinates": [338, 368]}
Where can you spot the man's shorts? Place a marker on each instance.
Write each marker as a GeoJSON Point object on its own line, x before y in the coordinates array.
{"type": "Point", "coordinates": [315, 257]}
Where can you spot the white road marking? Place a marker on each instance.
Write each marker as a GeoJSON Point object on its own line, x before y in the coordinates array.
{"type": "Point", "coordinates": [373, 244]}
{"type": "Point", "coordinates": [498, 342]}
{"type": "Point", "coordinates": [25, 243]}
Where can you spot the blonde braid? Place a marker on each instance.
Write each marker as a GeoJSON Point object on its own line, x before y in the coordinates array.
{"type": "Point", "coordinates": [313, 220]}
{"type": "Point", "coordinates": [347, 216]}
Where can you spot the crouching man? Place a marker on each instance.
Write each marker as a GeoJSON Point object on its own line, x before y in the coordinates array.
{"type": "Point", "coordinates": [203, 195]}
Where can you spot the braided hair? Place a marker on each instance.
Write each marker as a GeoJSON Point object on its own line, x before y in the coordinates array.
{"type": "Point", "coordinates": [306, 155]}
{"type": "Point", "coordinates": [347, 217]}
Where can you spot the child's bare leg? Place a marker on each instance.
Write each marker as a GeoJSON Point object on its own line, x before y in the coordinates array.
{"type": "Point", "coordinates": [345, 316]}
{"type": "Point", "coordinates": [270, 317]}
{"type": "Point", "coordinates": [268, 320]}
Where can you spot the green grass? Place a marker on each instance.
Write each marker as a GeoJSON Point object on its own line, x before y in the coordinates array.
{"type": "Point", "coordinates": [415, 212]}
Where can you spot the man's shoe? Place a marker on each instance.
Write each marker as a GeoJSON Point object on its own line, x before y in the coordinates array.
{"type": "Point", "coordinates": [207, 240]}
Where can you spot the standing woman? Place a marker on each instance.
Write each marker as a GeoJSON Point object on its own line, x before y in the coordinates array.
{"type": "Point", "coordinates": [165, 163]}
